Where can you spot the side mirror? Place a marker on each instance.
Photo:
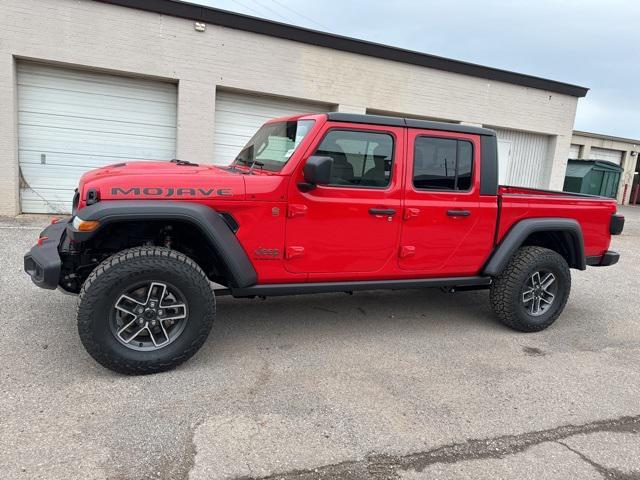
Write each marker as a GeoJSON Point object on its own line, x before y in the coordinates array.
{"type": "Point", "coordinates": [317, 171]}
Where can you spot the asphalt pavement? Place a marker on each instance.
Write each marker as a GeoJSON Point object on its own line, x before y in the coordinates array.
{"type": "Point", "coordinates": [413, 385]}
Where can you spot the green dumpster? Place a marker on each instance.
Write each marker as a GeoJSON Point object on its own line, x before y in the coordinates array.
{"type": "Point", "coordinates": [595, 177]}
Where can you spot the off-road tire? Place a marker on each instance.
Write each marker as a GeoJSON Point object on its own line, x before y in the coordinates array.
{"type": "Point", "coordinates": [105, 284]}
{"type": "Point", "coordinates": [506, 289]}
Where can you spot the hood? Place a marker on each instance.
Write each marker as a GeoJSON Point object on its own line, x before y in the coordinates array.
{"type": "Point", "coordinates": [162, 181]}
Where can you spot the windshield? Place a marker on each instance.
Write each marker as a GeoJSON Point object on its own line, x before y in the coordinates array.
{"type": "Point", "coordinates": [272, 146]}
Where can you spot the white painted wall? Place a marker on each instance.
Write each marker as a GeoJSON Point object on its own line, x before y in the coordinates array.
{"type": "Point", "coordinates": [574, 151]}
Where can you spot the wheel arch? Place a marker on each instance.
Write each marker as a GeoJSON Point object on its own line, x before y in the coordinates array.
{"type": "Point", "coordinates": [563, 235]}
{"type": "Point", "coordinates": [207, 222]}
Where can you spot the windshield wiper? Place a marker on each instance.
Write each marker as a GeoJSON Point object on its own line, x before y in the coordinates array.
{"type": "Point", "coordinates": [249, 153]}
{"type": "Point", "coordinates": [254, 164]}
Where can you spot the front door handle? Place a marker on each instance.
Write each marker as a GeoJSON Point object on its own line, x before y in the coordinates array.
{"type": "Point", "coordinates": [458, 213]}
{"type": "Point", "coordinates": [382, 211]}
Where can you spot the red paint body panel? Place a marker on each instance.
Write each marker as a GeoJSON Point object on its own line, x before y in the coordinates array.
{"type": "Point", "coordinates": [328, 233]}
{"type": "Point", "coordinates": [162, 180]}
{"type": "Point", "coordinates": [447, 246]}
{"type": "Point", "coordinates": [592, 213]}
{"type": "Point", "coordinates": [337, 229]}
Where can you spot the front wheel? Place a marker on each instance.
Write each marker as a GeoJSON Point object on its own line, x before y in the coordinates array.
{"type": "Point", "coordinates": [532, 291]}
{"type": "Point", "coordinates": [145, 310]}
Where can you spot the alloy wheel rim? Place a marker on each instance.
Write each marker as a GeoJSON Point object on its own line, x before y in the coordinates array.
{"type": "Point", "coordinates": [539, 292]}
{"type": "Point", "coordinates": [149, 316]}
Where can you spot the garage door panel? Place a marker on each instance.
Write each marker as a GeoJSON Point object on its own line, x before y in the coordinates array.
{"type": "Point", "coordinates": [239, 124]}
{"type": "Point", "coordinates": [37, 134]}
{"type": "Point", "coordinates": [93, 124]}
{"type": "Point", "coordinates": [246, 108]}
{"type": "Point", "coordinates": [77, 97]}
{"type": "Point", "coordinates": [235, 130]}
{"type": "Point", "coordinates": [72, 121]}
{"type": "Point", "coordinates": [95, 83]}
{"type": "Point", "coordinates": [226, 154]}
{"type": "Point", "coordinates": [46, 139]}
{"type": "Point", "coordinates": [64, 103]}
{"type": "Point", "coordinates": [46, 200]}
{"type": "Point", "coordinates": [51, 176]}
{"type": "Point", "coordinates": [606, 154]}
{"type": "Point", "coordinates": [231, 122]}
{"type": "Point", "coordinates": [263, 106]}
{"type": "Point", "coordinates": [65, 159]}
{"type": "Point", "coordinates": [238, 116]}
{"type": "Point", "coordinates": [234, 140]}
{"type": "Point", "coordinates": [529, 159]}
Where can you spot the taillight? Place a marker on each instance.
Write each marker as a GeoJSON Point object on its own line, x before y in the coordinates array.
{"type": "Point", "coordinates": [616, 224]}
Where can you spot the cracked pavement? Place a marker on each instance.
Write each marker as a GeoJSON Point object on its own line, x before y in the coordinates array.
{"type": "Point", "coordinates": [402, 385]}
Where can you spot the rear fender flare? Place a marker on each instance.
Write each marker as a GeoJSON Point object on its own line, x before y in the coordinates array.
{"type": "Point", "coordinates": [217, 233]}
{"type": "Point", "coordinates": [519, 232]}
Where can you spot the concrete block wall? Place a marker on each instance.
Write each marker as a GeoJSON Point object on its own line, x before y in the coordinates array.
{"type": "Point", "coordinates": [9, 180]}
{"type": "Point", "coordinates": [92, 35]}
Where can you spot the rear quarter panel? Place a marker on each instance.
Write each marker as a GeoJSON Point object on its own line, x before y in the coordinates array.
{"type": "Point", "coordinates": [592, 213]}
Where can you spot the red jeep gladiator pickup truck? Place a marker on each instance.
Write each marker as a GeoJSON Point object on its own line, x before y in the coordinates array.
{"type": "Point", "coordinates": [315, 203]}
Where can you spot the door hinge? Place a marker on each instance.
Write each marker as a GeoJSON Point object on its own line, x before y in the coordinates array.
{"type": "Point", "coordinates": [410, 213]}
{"type": "Point", "coordinates": [296, 210]}
{"type": "Point", "coordinates": [294, 252]}
{"type": "Point", "coordinates": [407, 251]}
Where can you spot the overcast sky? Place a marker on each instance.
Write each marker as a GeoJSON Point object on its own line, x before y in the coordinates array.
{"type": "Point", "coordinates": [589, 43]}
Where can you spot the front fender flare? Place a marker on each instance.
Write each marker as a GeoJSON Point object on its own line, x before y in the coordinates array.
{"type": "Point", "coordinates": [519, 232]}
{"type": "Point", "coordinates": [220, 237]}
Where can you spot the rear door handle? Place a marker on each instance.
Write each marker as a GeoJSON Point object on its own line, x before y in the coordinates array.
{"type": "Point", "coordinates": [382, 211]}
{"type": "Point", "coordinates": [458, 213]}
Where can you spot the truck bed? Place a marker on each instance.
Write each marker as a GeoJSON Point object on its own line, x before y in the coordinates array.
{"type": "Point", "coordinates": [592, 212]}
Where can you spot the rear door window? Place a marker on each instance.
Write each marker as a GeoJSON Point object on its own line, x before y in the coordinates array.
{"type": "Point", "coordinates": [442, 164]}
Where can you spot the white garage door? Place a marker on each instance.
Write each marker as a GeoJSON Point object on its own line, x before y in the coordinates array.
{"type": "Point", "coordinates": [238, 116]}
{"type": "Point", "coordinates": [71, 121]}
{"type": "Point", "coordinates": [528, 162]}
{"type": "Point", "coordinates": [607, 154]}
{"type": "Point", "coordinates": [504, 161]}
{"type": "Point", "coordinates": [574, 151]}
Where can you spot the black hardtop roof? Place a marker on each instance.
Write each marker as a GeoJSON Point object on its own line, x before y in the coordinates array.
{"type": "Point", "coordinates": [409, 122]}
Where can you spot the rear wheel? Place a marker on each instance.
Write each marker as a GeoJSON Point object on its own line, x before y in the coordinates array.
{"type": "Point", "coordinates": [532, 290]}
{"type": "Point", "coordinates": [145, 310]}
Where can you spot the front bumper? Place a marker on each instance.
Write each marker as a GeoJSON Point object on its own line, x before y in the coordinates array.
{"type": "Point", "coordinates": [43, 263]}
{"type": "Point", "coordinates": [609, 258]}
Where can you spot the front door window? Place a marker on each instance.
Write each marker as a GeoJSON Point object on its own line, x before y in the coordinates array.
{"type": "Point", "coordinates": [360, 159]}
